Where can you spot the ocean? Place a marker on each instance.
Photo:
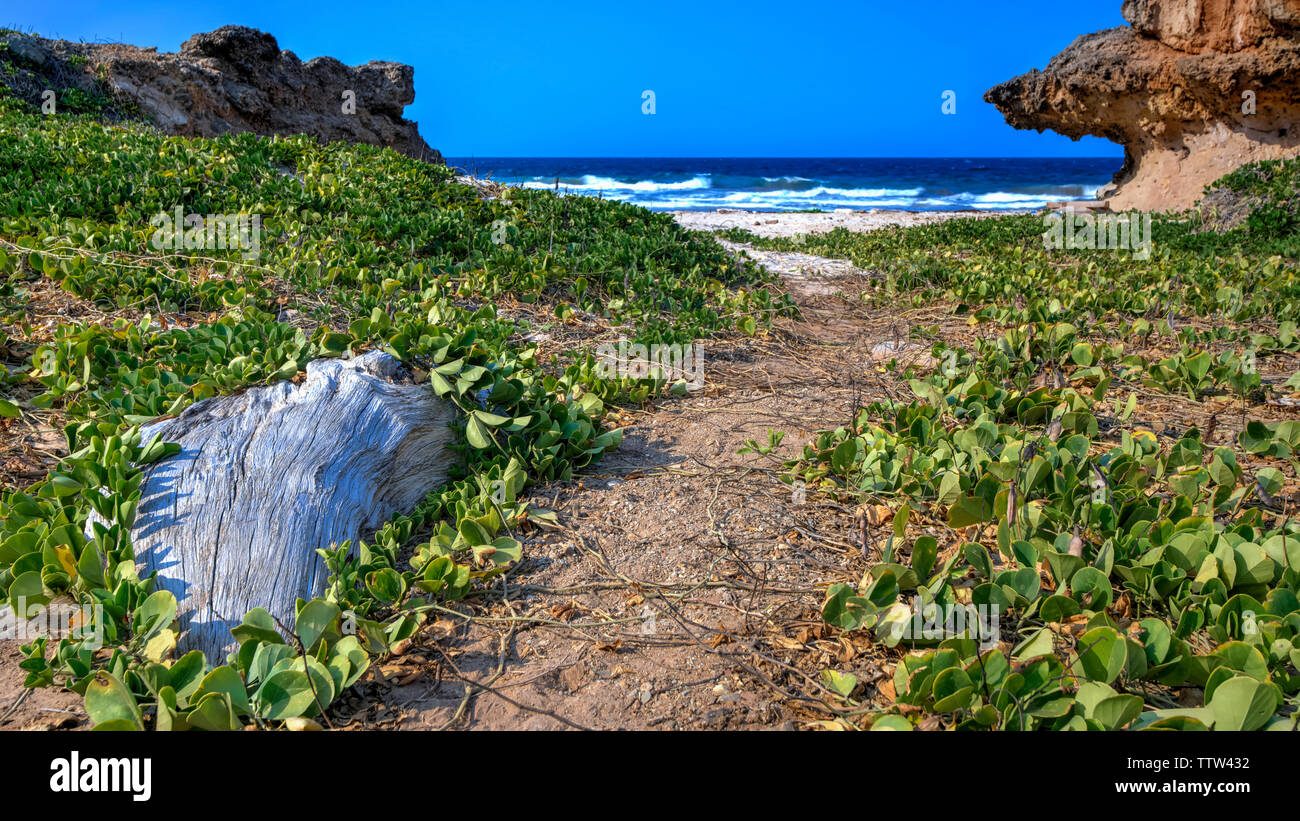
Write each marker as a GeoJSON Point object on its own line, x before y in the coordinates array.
{"type": "Point", "coordinates": [793, 184]}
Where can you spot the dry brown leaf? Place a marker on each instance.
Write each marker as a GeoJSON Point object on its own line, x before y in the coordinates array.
{"type": "Point", "coordinates": [847, 651]}
{"type": "Point", "coordinates": [816, 631]}
{"type": "Point", "coordinates": [887, 690]}
{"type": "Point", "coordinates": [446, 627]}
{"type": "Point", "coordinates": [572, 677]}
{"type": "Point", "coordinates": [877, 515]}
{"type": "Point", "coordinates": [1123, 607]}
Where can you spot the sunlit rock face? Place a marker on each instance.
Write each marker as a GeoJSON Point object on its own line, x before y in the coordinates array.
{"type": "Point", "coordinates": [234, 79]}
{"type": "Point", "coordinates": [1192, 89]}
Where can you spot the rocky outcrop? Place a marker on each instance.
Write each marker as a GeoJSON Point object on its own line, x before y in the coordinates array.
{"type": "Point", "coordinates": [234, 79]}
{"type": "Point", "coordinates": [1193, 89]}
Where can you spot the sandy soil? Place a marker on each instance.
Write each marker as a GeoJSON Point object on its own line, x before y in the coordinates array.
{"type": "Point", "coordinates": [684, 590]}
{"type": "Point", "coordinates": [43, 709]}
{"type": "Point", "coordinates": [787, 224]}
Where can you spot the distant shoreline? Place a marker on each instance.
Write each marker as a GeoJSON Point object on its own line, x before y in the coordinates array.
{"type": "Point", "coordinates": [793, 223]}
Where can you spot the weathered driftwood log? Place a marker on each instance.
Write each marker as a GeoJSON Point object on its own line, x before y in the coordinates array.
{"type": "Point", "coordinates": [266, 477]}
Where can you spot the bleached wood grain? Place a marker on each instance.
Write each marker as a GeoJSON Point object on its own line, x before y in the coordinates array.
{"type": "Point", "coordinates": [266, 477]}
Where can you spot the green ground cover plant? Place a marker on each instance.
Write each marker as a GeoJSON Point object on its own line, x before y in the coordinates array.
{"type": "Point", "coordinates": [360, 248]}
{"type": "Point", "coordinates": [1142, 580]}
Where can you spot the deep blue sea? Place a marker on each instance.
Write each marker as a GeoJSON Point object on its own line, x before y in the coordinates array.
{"type": "Point", "coordinates": [789, 184]}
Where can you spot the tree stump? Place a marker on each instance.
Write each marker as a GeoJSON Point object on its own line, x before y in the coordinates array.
{"type": "Point", "coordinates": [266, 477]}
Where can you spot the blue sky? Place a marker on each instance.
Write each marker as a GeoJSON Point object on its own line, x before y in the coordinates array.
{"type": "Point", "coordinates": [733, 79]}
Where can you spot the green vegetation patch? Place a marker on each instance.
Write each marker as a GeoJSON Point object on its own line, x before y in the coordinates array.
{"type": "Point", "coordinates": [1052, 564]}
{"type": "Point", "coordinates": [327, 250]}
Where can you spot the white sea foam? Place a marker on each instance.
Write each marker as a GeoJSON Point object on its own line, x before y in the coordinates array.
{"type": "Point", "coordinates": [698, 193]}
{"type": "Point", "coordinates": [591, 182]}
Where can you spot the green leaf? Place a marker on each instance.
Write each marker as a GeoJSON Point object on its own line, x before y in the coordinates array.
{"type": "Point", "coordinates": [844, 455]}
{"type": "Point", "coordinates": [116, 725]}
{"type": "Point", "coordinates": [258, 625]}
{"type": "Point", "coordinates": [1285, 550]}
{"type": "Point", "coordinates": [476, 434]}
{"type": "Point", "coordinates": [186, 674]}
{"type": "Point", "coordinates": [348, 652]}
{"type": "Point", "coordinates": [1057, 608]}
{"type": "Point", "coordinates": [91, 566]}
{"type": "Point", "coordinates": [1102, 654]}
{"type": "Point", "coordinates": [322, 679]}
{"type": "Point", "coordinates": [65, 485]}
{"type": "Point", "coordinates": [967, 511]}
{"type": "Point", "coordinates": [284, 695]}
{"type": "Point", "coordinates": [1091, 589]}
{"type": "Point", "coordinates": [884, 590]}
{"type": "Point", "coordinates": [501, 552]}
{"type": "Point", "coordinates": [1082, 354]}
{"type": "Point", "coordinates": [319, 619]}
{"type": "Point", "coordinates": [108, 699]}
{"type": "Point", "coordinates": [1242, 703]}
{"type": "Point", "coordinates": [30, 589]}
{"type": "Point", "coordinates": [893, 722]}
{"type": "Point", "coordinates": [1038, 644]}
{"type": "Point", "coordinates": [225, 679]}
{"type": "Point", "coordinates": [978, 558]}
{"type": "Point", "coordinates": [949, 489]}
{"type": "Point", "coordinates": [844, 609]}
{"type": "Point", "coordinates": [154, 615]}
{"type": "Point", "coordinates": [900, 524]}
{"type": "Point", "coordinates": [924, 552]}
{"type": "Point", "coordinates": [1117, 712]}
{"type": "Point", "coordinates": [214, 712]}
{"type": "Point", "coordinates": [1199, 365]}
{"type": "Point", "coordinates": [953, 690]}
{"type": "Point", "coordinates": [474, 533]}
{"type": "Point", "coordinates": [387, 585]}
{"type": "Point", "coordinates": [491, 418]}
{"type": "Point", "coordinates": [842, 684]}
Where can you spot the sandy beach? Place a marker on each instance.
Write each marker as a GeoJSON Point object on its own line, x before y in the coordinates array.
{"type": "Point", "coordinates": [792, 223]}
